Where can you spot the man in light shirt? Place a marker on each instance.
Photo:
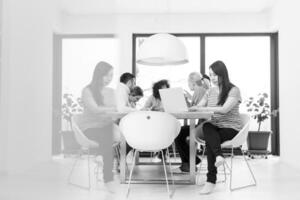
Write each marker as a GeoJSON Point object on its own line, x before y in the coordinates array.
{"type": "Point", "coordinates": [127, 82]}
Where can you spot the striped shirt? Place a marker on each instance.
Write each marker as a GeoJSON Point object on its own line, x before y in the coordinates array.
{"type": "Point", "coordinates": [230, 119]}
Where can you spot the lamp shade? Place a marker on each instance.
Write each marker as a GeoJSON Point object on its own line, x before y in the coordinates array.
{"type": "Point", "coordinates": [162, 49]}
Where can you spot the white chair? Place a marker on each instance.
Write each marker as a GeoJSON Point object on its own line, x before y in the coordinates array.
{"type": "Point", "coordinates": [85, 146]}
{"type": "Point", "coordinates": [151, 132]}
{"type": "Point", "coordinates": [237, 142]}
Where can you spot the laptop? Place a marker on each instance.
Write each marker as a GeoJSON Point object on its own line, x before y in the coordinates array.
{"type": "Point", "coordinates": [173, 100]}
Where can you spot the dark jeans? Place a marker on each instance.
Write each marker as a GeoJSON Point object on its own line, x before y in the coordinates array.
{"type": "Point", "coordinates": [183, 146]}
{"type": "Point", "coordinates": [214, 137]}
{"type": "Point", "coordinates": [103, 136]}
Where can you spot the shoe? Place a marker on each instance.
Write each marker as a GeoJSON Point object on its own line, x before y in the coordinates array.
{"type": "Point", "coordinates": [185, 167]}
{"type": "Point", "coordinates": [219, 161]}
{"type": "Point", "coordinates": [208, 188]}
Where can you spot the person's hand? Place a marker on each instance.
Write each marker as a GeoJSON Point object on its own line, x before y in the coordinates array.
{"type": "Point", "coordinates": [193, 108]}
{"type": "Point", "coordinates": [187, 94]}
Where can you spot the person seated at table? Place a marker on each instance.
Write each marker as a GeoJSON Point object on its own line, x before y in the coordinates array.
{"type": "Point", "coordinates": [154, 103]}
{"type": "Point", "coordinates": [196, 84]}
{"type": "Point", "coordinates": [135, 95]}
{"type": "Point", "coordinates": [127, 83]}
{"type": "Point", "coordinates": [95, 122]}
{"type": "Point", "coordinates": [223, 100]}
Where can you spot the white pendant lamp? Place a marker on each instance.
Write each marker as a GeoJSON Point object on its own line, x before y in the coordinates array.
{"type": "Point", "coordinates": [162, 49]}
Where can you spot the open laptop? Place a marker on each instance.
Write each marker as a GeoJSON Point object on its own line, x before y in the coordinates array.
{"type": "Point", "coordinates": [173, 100]}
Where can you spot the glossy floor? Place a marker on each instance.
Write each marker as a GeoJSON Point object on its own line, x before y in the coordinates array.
{"type": "Point", "coordinates": [275, 179]}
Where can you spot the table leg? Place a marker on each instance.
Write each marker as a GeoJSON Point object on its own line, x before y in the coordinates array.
{"type": "Point", "coordinates": [123, 161]}
{"type": "Point", "coordinates": [192, 153]}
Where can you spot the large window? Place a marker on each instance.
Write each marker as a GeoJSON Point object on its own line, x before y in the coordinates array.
{"type": "Point", "coordinates": [248, 63]}
{"type": "Point", "coordinates": [75, 57]}
{"type": "Point", "coordinates": [251, 60]}
{"type": "Point", "coordinates": [177, 75]}
{"type": "Point", "coordinates": [79, 58]}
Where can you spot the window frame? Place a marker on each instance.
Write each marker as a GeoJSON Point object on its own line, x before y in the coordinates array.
{"type": "Point", "coordinates": [57, 83]}
{"type": "Point", "coordinates": [274, 73]}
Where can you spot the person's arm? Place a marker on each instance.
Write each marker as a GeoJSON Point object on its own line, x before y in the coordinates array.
{"type": "Point", "coordinates": [90, 103]}
{"type": "Point", "coordinates": [225, 108]}
{"type": "Point", "coordinates": [203, 101]}
{"type": "Point", "coordinates": [232, 100]}
{"type": "Point", "coordinates": [188, 98]}
{"type": "Point", "coordinates": [187, 95]}
{"type": "Point", "coordinates": [122, 101]}
{"type": "Point", "coordinates": [148, 105]}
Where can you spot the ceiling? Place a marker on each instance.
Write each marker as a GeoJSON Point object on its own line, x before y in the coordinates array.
{"type": "Point", "coordinates": [92, 7]}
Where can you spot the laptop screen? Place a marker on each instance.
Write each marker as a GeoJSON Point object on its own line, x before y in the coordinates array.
{"type": "Point", "coordinates": [173, 100]}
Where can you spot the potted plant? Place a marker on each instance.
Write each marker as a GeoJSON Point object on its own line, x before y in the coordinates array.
{"type": "Point", "coordinates": [70, 106]}
{"type": "Point", "coordinates": [260, 110]}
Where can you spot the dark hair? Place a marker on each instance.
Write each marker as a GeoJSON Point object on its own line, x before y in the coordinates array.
{"type": "Point", "coordinates": [124, 78]}
{"type": "Point", "coordinates": [96, 85]}
{"type": "Point", "coordinates": [200, 82]}
{"type": "Point", "coordinates": [205, 76]}
{"type": "Point", "coordinates": [219, 68]}
{"type": "Point", "coordinates": [137, 91]}
{"type": "Point", "coordinates": [158, 85]}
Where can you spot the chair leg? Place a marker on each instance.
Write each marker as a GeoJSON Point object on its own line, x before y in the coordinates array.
{"type": "Point", "coordinates": [237, 188]}
{"type": "Point", "coordinates": [117, 151]}
{"type": "Point", "coordinates": [170, 168]}
{"type": "Point", "coordinates": [200, 165]}
{"type": "Point", "coordinates": [130, 176]}
{"type": "Point", "coordinates": [89, 172]}
{"type": "Point", "coordinates": [75, 162]}
{"type": "Point", "coordinates": [166, 176]}
{"type": "Point", "coordinates": [202, 156]}
{"type": "Point", "coordinates": [225, 176]}
{"type": "Point", "coordinates": [73, 166]}
{"type": "Point", "coordinates": [174, 150]}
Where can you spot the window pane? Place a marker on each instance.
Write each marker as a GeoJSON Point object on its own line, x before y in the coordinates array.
{"type": "Point", "coordinates": [248, 63]}
{"type": "Point", "coordinates": [79, 58]}
{"type": "Point", "coordinates": [177, 75]}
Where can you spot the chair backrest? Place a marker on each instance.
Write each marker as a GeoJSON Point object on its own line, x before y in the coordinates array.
{"type": "Point", "coordinates": [81, 139]}
{"type": "Point", "coordinates": [242, 135]}
{"type": "Point", "coordinates": [149, 130]}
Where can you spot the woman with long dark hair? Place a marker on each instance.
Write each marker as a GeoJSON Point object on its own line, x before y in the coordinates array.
{"type": "Point", "coordinates": [223, 99]}
{"type": "Point", "coordinates": [94, 121]}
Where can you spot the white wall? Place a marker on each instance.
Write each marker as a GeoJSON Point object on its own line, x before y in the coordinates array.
{"type": "Point", "coordinates": [126, 24]}
{"type": "Point", "coordinates": [26, 83]}
{"type": "Point", "coordinates": [284, 18]}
